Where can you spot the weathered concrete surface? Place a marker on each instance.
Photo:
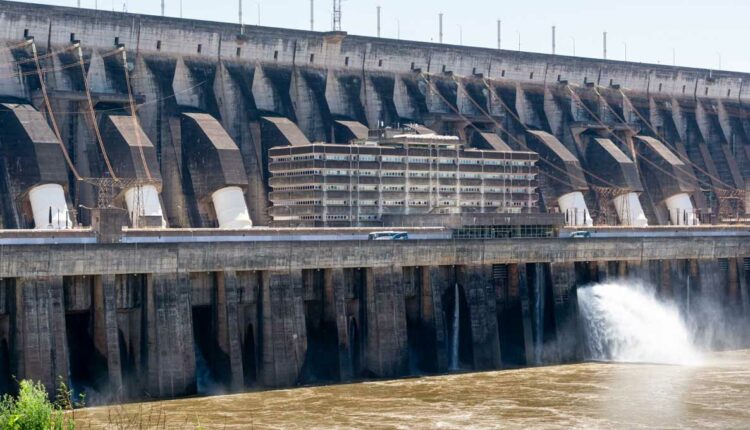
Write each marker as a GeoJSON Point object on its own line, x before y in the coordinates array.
{"type": "Point", "coordinates": [480, 296]}
{"type": "Point", "coordinates": [69, 260]}
{"type": "Point", "coordinates": [335, 317]}
{"type": "Point", "coordinates": [106, 338]}
{"type": "Point", "coordinates": [284, 337]}
{"type": "Point", "coordinates": [228, 333]}
{"type": "Point", "coordinates": [38, 331]}
{"type": "Point", "coordinates": [170, 348]}
{"type": "Point", "coordinates": [386, 347]}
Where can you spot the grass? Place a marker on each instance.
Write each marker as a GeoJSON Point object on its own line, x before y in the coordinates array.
{"type": "Point", "coordinates": [32, 409]}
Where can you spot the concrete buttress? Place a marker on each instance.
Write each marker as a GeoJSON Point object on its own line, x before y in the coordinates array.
{"type": "Point", "coordinates": [227, 303]}
{"type": "Point", "coordinates": [106, 338]}
{"type": "Point", "coordinates": [283, 334]}
{"type": "Point", "coordinates": [335, 316]}
{"type": "Point", "coordinates": [434, 279]}
{"type": "Point", "coordinates": [480, 296]}
{"type": "Point", "coordinates": [386, 347]}
{"type": "Point", "coordinates": [169, 329]}
{"type": "Point", "coordinates": [38, 324]}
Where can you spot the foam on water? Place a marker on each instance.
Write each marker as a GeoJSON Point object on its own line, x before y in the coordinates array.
{"type": "Point", "coordinates": [625, 323]}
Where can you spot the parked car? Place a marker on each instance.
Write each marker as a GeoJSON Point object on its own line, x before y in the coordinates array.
{"type": "Point", "coordinates": [389, 235]}
{"type": "Point", "coordinates": [581, 234]}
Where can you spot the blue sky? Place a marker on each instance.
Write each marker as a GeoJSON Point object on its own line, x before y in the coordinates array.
{"type": "Point", "coordinates": [700, 33]}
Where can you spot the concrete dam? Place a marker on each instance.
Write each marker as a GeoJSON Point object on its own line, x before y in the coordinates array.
{"type": "Point", "coordinates": [188, 206]}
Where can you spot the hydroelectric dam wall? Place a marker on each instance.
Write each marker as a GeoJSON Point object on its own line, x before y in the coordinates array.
{"type": "Point", "coordinates": [164, 312]}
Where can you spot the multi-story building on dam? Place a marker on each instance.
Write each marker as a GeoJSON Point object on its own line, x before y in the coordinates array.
{"type": "Point", "coordinates": [397, 172]}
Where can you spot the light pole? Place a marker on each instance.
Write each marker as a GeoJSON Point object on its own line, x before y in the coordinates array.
{"type": "Point", "coordinates": [519, 40]}
{"type": "Point", "coordinates": [719, 55]}
{"type": "Point", "coordinates": [625, 45]}
{"type": "Point", "coordinates": [574, 45]}
{"type": "Point", "coordinates": [460, 34]}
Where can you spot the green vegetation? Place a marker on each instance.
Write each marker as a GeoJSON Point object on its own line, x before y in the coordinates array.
{"type": "Point", "coordinates": [32, 409]}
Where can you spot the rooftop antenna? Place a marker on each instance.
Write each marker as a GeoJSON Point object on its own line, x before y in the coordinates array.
{"type": "Point", "coordinates": [312, 15]}
{"type": "Point", "coordinates": [378, 21]}
{"type": "Point", "coordinates": [440, 19]}
{"type": "Point", "coordinates": [336, 15]}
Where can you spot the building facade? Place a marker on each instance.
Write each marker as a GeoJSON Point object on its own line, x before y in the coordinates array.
{"type": "Point", "coordinates": [396, 172]}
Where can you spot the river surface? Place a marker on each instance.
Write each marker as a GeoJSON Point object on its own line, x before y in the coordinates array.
{"type": "Point", "coordinates": [715, 394]}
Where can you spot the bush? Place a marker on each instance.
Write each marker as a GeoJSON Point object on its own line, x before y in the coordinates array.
{"type": "Point", "coordinates": [32, 410]}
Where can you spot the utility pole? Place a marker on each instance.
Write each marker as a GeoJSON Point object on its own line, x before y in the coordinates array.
{"type": "Point", "coordinates": [519, 40]}
{"type": "Point", "coordinates": [605, 45]}
{"type": "Point", "coordinates": [440, 19]}
{"type": "Point", "coordinates": [312, 15]}
{"type": "Point", "coordinates": [336, 15]}
{"type": "Point", "coordinates": [242, 25]}
{"type": "Point", "coordinates": [378, 21]}
{"type": "Point", "coordinates": [553, 40]}
{"type": "Point", "coordinates": [499, 34]}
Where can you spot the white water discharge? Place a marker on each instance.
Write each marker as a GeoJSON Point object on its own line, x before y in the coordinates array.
{"type": "Point", "coordinates": [456, 322]}
{"type": "Point", "coordinates": [625, 323]}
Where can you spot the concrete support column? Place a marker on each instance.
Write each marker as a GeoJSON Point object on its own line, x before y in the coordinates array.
{"type": "Point", "coordinates": [744, 285]}
{"type": "Point", "coordinates": [228, 328]}
{"type": "Point", "coordinates": [434, 281]}
{"type": "Point", "coordinates": [386, 346]}
{"type": "Point", "coordinates": [519, 281]}
{"type": "Point", "coordinates": [283, 335]}
{"type": "Point", "coordinates": [733, 286]}
{"type": "Point", "coordinates": [480, 296]}
{"type": "Point", "coordinates": [106, 339]}
{"type": "Point", "coordinates": [602, 271]}
{"type": "Point", "coordinates": [565, 295]}
{"type": "Point", "coordinates": [622, 269]}
{"type": "Point", "coordinates": [169, 332]}
{"type": "Point", "coordinates": [334, 310]}
{"type": "Point", "coordinates": [38, 331]}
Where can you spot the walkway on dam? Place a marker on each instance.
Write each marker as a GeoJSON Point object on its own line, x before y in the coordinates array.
{"type": "Point", "coordinates": [99, 258]}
